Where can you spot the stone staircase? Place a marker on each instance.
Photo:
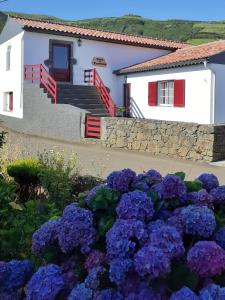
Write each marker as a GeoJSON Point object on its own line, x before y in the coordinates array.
{"type": "Point", "coordinates": [82, 96]}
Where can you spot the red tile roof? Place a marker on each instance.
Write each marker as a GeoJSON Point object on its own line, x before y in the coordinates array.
{"type": "Point", "coordinates": [178, 58]}
{"type": "Point", "coordinates": [95, 34]}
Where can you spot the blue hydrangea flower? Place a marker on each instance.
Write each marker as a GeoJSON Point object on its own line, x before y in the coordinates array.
{"type": "Point", "coordinates": [218, 195]}
{"type": "Point", "coordinates": [168, 240]}
{"type": "Point", "coordinates": [15, 274]}
{"type": "Point", "coordinates": [120, 239]}
{"type": "Point", "coordinates": [153, 177]}
{"type": "Point", "coordinates": [143, 292]}
{"type": "Point", "coordinates": [155, 225]}
{"type": "Point", "coordinates": [219, 237]}
{"type": "Point", "coordinates": [94, 259]}
{"type": "Point", "coordinates": [201, 197]}
{"type": "Point", "coordinates": [107, 294]}
{"type": "Point", "coordinates": [142, 186]}
{"type": "Point", "coordinates": [151, 261]}
{"type": "Point", "coordinates": [135, 205]}
{"type": "Point", "coordinates": [172, 187]}
{"type": "Point", "coordinates": [210, 181]}
{"type": "Point", "coordinates": [184, 294]}
{"type": "Point", "coordinates": [92, 281]}
{"type": "Point", "coordinates": [198, 220]}
{"type": "Point", "coordinates": [10, 295]}
{"type": "Point", "coordinates": [45, 284]}
{"type": "Point", "coordinates": [176, 220]}
{"type": "Point", "coordinates": [163, 214]}
{"type": "Point", "coordinates": [76, 229]}
{"type": "Point", "coordinates": [118, 269]}
{"type": "Point", "coordinates": [206, 259]}
{"type": "Point", "coordinates": [45, 236]}
{"type": "Point", "coordinates": [211, 292]}
{"type": "Point", "coordinates": [121, 181]}
{"type": "Point", "coordinates": [81, 292]}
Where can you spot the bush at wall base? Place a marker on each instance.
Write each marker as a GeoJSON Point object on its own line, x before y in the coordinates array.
{"type": "Point", "coordinates": [136, 237]}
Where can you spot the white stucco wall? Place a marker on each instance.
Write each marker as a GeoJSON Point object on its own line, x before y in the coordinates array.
{"type": "Point", "coordinates": [36, 51]}
{"type": "Point", "coordinates": [11, 80]}
{"type": "Point", "coordinates": [219, 102]}
{"type": "Point", "coordinates": [197, 95]}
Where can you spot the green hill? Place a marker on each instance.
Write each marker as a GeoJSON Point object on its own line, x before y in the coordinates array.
{"type": "Point", "coordinates": [194, 32]}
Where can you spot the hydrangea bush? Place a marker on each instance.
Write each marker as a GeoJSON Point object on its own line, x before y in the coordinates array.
{"type": "Point", "coordinates": [136, 237]}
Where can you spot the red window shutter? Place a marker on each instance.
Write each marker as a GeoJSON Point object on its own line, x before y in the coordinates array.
{"type": "Point", "coordinates": [152, 93]}
{"type": "Point", "coordinates": [179, 93]}
{"type": "Point", "coordinates": [10, 101]}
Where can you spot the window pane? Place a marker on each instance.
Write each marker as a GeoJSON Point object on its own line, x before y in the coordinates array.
{"type": "Point", "coordinates": [60, 57]}
{"type": "Point", "coordinates": [165, 92]}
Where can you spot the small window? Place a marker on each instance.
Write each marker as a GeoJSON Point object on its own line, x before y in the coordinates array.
{"type": "Point", "coordinates": [8, 58]}
{"type": "Point", "coordinates": [165, 93]}
{"type": "Point", "coordinates": [8, 102]}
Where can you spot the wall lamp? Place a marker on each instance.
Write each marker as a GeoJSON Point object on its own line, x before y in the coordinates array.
{"type": "Point", "coordinates": [79, 42]}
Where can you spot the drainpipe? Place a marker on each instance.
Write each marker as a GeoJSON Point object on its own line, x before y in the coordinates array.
{"type": "Point", "coordinates": [213, 92]}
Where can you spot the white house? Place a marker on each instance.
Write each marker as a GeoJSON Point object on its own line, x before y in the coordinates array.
{"type": "Point", "coordinates": [65, 52]}
{"type": "Point", "coordinates": [91, 71]}
{"type": "Point", "coordinates": [187, 85]}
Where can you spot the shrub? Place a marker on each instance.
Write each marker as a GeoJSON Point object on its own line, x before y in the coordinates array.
{"type": "Point", "coordinates": [55, 177]}
{"type": "Point", "coordinates": [122, 243]}
{"type": "Point", "coordinates": [2, 138]}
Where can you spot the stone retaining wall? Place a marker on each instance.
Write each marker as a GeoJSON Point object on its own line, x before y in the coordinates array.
{"type": "Point", "coordinates": [176, 139]}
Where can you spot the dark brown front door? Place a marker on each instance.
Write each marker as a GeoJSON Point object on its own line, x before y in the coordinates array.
{"type": "Point", "coordinates": [126, 99]}
{"type": "Point", "coordinates": [61, 62]}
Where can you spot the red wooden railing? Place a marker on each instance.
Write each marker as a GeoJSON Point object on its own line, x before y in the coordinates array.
{"type": "Point", "coordinates": [39, 73]}
{"type": "Point", "coordinates": [93, 127]}
{"type": "Point", "coordinates": [92, 77]}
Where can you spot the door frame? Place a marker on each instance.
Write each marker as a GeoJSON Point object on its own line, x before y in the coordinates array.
{"type": "Point", "coordinates": [72, 61]}
{"type": "Point", "coordinates": [126, 99]}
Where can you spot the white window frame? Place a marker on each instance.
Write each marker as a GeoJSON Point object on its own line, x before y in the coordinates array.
{"type": "Point", "coordinates": [6, 104]}
{"type": "Point", "coordinates": [8, 58]}
{"type": "Point", "coordinates": [165, 93]}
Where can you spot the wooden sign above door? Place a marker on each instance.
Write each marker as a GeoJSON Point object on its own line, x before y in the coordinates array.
{"type": "Point", "coordinates": [99, 62]}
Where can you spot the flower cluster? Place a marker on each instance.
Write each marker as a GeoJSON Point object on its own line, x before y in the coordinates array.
{"type": "Point", "coordinates": [143, 237]}
{"type": "Point", "coordinates": [46, 283]}
{"type": "Point", "coordinates": [198, 220]}
{"type": "Point", "coordinates": [206, 259]}
{"type": "Point", "coordinates": [76, 229]}
{"type": "Point", "coordinates": [135, 205]}
{"type": "Point", "coordinates": [121, 181]}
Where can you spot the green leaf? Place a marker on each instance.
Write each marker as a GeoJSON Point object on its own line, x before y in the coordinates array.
{"type": "Point", "coordinates": [16, 206]}
{"type": "Point", "coordinates": [193, 186]}
{"type": "Point", "coordinates": [182, 175]}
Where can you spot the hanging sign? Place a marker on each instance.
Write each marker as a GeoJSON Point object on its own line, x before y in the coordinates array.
{"type": "Point", "coordinates": [99, 61]}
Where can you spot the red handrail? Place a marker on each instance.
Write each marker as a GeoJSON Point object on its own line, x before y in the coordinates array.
{"type": "Point", "coordinates": [92, 77]}
{"type": "Point", "coordinates": [39, 73]}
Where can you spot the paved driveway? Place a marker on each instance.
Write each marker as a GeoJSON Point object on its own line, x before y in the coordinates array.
{"type": "Point", "coordinates": [97, 160]}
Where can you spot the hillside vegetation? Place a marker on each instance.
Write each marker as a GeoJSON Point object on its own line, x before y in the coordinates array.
{"type": "Point", "coordinates": [194, 32]}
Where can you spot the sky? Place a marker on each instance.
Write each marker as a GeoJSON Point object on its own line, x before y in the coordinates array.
{"type": "Point", "coordinates": [204, 10]}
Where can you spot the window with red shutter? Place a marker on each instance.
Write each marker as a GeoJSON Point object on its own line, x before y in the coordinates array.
{"type": "Point", "coordinates": [179, 93]}
{"type": "Point", "coordinates": [152, 93]}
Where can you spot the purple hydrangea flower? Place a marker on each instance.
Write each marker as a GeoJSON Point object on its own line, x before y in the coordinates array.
{"type": "Point", "coordinates": [46, 283]}
{"type": "Point", "coordinates": [151, 261]}
{"type": "Point", "coordinates": [210, 181]}
{"type": "Point", "coordinates": [155, 225]}
{"type": "Point", "coordinates": [201, 197]}
{"type": "Point", "coordinates": [120, 239]}
{"type": "Point", "coordinates": [172, 187]}
{"type": "Point", "coordinates": [81, 292]}
{"type": "Point", "coordinates": [219, 237]}
{"type": "Point", "coordinates": [143, 292]}
{"type": "Point", "coordinates": [107, 294]}
{"type": "Point", "coordinates": [198, 220]}
{"type": "Point", "coordinates": [76, 229]}
{"type": "Point", "coordinates": [212, 291]}
{"type": "Point", "coordinates": [69, 275]}
{"type": "Point", "coordinates": [94, 259]}
{"type": "Point", "coordinates": [164, 214]}
{"type": "Point", "coordinates": [153, 177]}
{"type": "Point", "coordinates": [135, 205]}
{"type": "Point", "coordinates": [168, 239]}
{"type": "Point", "coordinates": [15, 274]}
{"type": "Point", "coordinates": [218, 195]}
{"type": "Point", "coordinates": [184, 294]}
{"type": "Point", "coordinates": [206, 259]}
{"type": "Point", "coordinates": [118, 269]}
{"type": "Point", "coordinates": [121, 180]}
{"type": "Point", "coordinates": [45, 236]}
{"type": "Point", "coordinates": [92, 281]}
{"type": "Point", "coordinates": [142, 186]}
